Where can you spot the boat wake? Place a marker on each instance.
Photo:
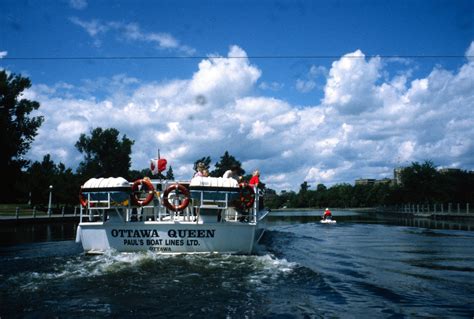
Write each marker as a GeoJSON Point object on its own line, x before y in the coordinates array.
{"type": "Point", "coordinates": [169, 268]}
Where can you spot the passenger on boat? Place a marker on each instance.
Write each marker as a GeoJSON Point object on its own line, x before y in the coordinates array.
{"type": "Point", "coordinates": [255, 180]}
{"type": "Point", "coordinates": [200, 167]}
{"type": "Point", "coordinates": [327, 214]}
{"type": "Point", "coordinates": [205, 173]}
{"type": "Point", "coordinates": [233, 172]}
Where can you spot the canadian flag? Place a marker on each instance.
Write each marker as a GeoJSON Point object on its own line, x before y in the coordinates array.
{"type": "Point", "coordinates": [157, 165]}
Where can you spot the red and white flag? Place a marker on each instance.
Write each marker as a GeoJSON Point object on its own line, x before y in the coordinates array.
{"type": "Point", "coordinates": [158, 165]}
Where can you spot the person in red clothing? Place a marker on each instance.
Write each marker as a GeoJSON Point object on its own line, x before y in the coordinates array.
{"type": "Point", "coordinates": [327, 214]}
{"type": "Point", "coordinates": [255, 180]}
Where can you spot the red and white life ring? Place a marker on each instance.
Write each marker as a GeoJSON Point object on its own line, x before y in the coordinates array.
{"type": "Point", "coordinates": [177, 188]}
{"type": "Point", "coordinates": [150, 192]}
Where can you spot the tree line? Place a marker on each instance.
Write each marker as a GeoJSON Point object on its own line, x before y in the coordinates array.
{"type": "Point", "coordinates": [420, 183]}
{"type": "Point", "coordinates": [107, 153]}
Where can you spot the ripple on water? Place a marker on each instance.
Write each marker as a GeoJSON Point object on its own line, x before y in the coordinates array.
{"type": "Point", "coordinates": [396, 270]}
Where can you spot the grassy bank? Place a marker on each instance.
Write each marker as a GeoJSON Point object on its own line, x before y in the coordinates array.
{"type": "Point", "coordinates": [24, 210]}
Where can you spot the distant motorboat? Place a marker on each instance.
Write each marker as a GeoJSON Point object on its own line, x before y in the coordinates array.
{"type": "Point", "coordinates": [327, 221]}
{"type": "Point", "coordinates": [327, 217]}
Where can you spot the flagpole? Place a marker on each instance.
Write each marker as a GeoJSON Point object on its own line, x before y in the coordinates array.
{"type": "Point", "coordinates": [158, 165]}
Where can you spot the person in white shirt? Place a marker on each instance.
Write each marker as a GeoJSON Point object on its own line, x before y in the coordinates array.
{"type": "Point", "coordinates": [233, 172]}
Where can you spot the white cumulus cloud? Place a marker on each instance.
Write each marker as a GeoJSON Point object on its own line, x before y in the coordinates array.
{"type": "Point", "coordinates": [224, 78]}
{"type": "Point", "coordinates": [305, 86]}
{"type": "Point", "coordinates": [78, 4]}
{"type": "Point", "coordinates": [365, 125]}
{"type": "Point", "coordinates": [350, 86]}
{"type": "Point", "coordinates": [131, 32]}
{"type": "Point", "coordinates": [272, 86]}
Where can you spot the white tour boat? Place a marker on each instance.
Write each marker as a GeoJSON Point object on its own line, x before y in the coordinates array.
{"type": "Point", "coordinates": [206, 214]}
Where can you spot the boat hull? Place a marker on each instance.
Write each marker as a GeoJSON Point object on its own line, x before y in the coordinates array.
{"type": "Point", "coordinates": [169, 238]}
{"type": "Point", "coordinates": [328, 221]}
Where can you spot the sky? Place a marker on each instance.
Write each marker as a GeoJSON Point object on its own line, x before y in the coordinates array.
{"type": "Point", "coordinates": [317, 91]}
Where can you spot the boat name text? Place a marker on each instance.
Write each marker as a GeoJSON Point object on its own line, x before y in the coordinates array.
{"type": "Point", "coordinates": [172, 233]}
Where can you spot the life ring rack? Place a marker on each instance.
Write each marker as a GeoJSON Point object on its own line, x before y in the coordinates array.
{"type": "Point", "coordinates": [150, 189]}
{"type": "Point", "coordinates": [246, 195]}
{"type": "Point", "coordinates": [178, 188]}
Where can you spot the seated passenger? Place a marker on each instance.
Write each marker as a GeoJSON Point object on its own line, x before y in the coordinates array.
{"type": "Point", "coordinates": [200, 167]}
{"type": "Point", "coordinates": [327, 214]}
{"type": "Point", "coordinates": [233, 172]}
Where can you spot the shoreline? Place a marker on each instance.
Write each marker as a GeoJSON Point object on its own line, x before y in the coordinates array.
{"type": "Point", "coordinates": [377, 211]}
{"type": "Point", "coordinates": [57, 218]}
{"type": "Point", "coordinates": [360, 209]}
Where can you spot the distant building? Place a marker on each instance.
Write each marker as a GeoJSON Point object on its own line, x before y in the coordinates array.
{"type": "Point", "coordinates": [365, 181]}
{"type": "Point", "coordinates": [384, 181]}
{"type": "Point", "coordinates": [397, 175]}
{"type": "Point", "coordinates": [449, 170]}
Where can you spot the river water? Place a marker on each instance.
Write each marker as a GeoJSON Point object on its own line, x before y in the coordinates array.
{"type": "Point", "coordinates": [360, 267]}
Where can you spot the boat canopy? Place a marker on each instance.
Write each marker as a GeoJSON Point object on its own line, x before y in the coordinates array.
{"type": "Point", "coordinates": [106, 184]}
{"type": "Point", "coordinates": [213, 182]}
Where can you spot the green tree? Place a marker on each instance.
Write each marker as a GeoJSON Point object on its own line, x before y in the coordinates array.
{"type": "Point", "coordinates": [288, 199]}
{"type": "Point", "coordinates": [419, 182]}
{"type": "Point", "coordinates": [104, 154]}
{"type": "Point", "coordinates": [303, 198]}
{"type": "Point", "coordinates": [133, 175]}
{"type": "Point", "coordinates": [304, 187]}
{"type": "Point", "coordinates": [40, 175]}
{"type": "Point", "coordinates": [17, 130]}
{"type": "Point", "coordinates": [271, 199]}
{"type": "Point", "coordinates": [455, 186]}
{"type": "Point", "coordinates": [343, 195]}
{"type": "Point", "coordinates": [319, 197]}
{"type": "Point", "coordinates": [360, 196]}
{"type": "Point", "coordinates": [169, 174]}
{"type": "Point", "coordinates": [226, 162]}
{"type": "Point", "coordinates": [382, 192]}
{"type": "Point", "coordinates": [66, 185]}
{"type": "Point", "coordinates": [321, 188]}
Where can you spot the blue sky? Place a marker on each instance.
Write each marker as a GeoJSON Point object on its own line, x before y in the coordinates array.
{"type": "Point", "coordinates": [371, 105]}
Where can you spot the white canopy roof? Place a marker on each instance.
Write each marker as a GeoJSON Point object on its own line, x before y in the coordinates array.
{"type": "Point", "coordinates": [106, 182]}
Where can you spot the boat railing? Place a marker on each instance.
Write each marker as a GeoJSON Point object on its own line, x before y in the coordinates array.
{"type": "Point", "coordinates": [206, 205]}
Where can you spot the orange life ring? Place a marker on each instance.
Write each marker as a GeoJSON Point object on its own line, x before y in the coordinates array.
{"type": "Point", "coordinates": [150, 189]}
{"type": "Point", "coordinates": [246, 195]}
{"type": "Point", "coordinates": [183, 190]}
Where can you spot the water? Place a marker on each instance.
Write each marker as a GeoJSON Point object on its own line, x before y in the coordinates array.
{"type": "Point", "coordinates": [359, 267]}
